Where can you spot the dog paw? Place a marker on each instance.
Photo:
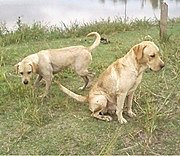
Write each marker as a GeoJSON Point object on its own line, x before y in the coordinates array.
{"type": "Point", "coordinates": [81, 88]}
{"type": "Point", "coordinates": [107, 118]}
{"type": "Point", "coordinates": [122, 120]}
{"type": "Point", "coordinates": [131, 114]}
{"type": "Point", "coordinates": [111, 112]}
{"type": "Point", "coordinates": [43, 96]}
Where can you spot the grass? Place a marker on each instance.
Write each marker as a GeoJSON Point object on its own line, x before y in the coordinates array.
{"type": "Point", "coordinates": [39, 32]}
{"type": "Point", "coordinates": [60, 125]}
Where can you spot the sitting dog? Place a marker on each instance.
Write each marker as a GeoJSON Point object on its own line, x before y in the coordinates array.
{"type": "Point", "coordinates": [48, 62]}
{"type": "Point", "coordinates": [116, 85]}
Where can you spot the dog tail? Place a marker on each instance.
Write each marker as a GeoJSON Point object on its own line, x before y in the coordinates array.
{"type": "Point", "coordinates": [96, 42]}
{"type": "Point", "coordinates": [75, 96]}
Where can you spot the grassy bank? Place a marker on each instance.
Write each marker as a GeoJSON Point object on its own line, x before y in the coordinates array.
{"type": "Point", "coordinates": [60, 125]}
{"type": "Point", "coordinates": [38, 31]}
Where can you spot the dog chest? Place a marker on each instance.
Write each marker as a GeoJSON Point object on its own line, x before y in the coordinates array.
{"type": "Point", "coordinates": [135, 84]}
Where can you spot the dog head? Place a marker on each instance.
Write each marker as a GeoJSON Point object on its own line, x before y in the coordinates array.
{"type": "Point", "coordinates": [25, 69]}
{"type": "Point", "coordinates": [147, 54]}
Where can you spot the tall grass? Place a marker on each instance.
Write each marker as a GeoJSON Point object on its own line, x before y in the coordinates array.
{"type": "Point", "coordinates": [37, 31]}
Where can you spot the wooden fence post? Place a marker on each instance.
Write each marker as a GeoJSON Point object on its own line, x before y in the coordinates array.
{"type": "Point", "coordinates": [163, 20]}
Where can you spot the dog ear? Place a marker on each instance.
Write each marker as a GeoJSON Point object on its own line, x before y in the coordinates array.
{"type": "Point", "coordinates": [138, 51]}
{"type": "Point", "coordinates": [17, 67]}
{"type": "Point", "coordinates": [34, 67]}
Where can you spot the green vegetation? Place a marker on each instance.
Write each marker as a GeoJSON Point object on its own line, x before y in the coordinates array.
{"type": "Point", "coordinates": [59, 124]}
{"type": "Point", "coordinates": [38, 32]}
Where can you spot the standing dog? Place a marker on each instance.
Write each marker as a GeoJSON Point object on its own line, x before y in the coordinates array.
{"type": "Point", "coordinates": [116, 85]}
{"type": "Point", "coordinates": [48, 62]}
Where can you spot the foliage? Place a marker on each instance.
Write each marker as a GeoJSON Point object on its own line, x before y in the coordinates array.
{"type": "Point", "coordinates": [38, 31]}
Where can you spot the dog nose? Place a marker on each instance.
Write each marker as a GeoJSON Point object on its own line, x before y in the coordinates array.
{"type": "Point", "coordinates": [162, 65]}
{"type": "Point", "coordinates": [25, 82]}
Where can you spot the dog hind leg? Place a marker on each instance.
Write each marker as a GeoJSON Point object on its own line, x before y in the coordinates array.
{"type": "Point", "coordinates": [98, 107]}
{"type": "Point", "coordinates": [86, 81]}
{"type": "Point", "coordinates": [90, 77]}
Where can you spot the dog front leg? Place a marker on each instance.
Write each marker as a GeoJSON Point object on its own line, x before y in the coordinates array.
{"type": "Point", "coordinates": [119, 108]}
{"type": "Point", "coordinates": [48, 81]}
{"type": "Point", "coordinates": [38, 79]}
{"type": "Point", "coordinates": [129, 105]}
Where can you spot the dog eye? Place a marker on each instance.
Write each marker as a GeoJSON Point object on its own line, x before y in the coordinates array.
{"type": "Point", "coordinates": [153, 55]}
{"type": "Point", "coordinates": [29, 72]}
{"type": "Point", "coordinates": [21, 73]}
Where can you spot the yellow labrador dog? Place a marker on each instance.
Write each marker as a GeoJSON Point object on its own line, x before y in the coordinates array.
{"type": "Point", "coordinates": [48, 62]}
{"type": "Point", "coordinates": [116, 85]}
